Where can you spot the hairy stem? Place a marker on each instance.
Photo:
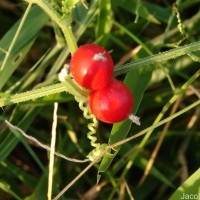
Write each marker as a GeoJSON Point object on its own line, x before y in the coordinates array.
{"type": "Point", "coordinates": [158, 58]}
{"type": "Point", "coordinates": [66, 29]}
{"type": "Point", "coordinates": [68, 86]}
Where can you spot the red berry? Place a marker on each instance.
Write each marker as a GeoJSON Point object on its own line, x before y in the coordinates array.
{"type": "Point", "coordinates": [92, 66]}
{"type": "Point", "coordinates": [113, 103]}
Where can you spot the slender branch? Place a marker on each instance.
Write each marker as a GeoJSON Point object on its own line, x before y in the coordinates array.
{"type": "Point", "coordinates": [71, 87]}
{"type": "Point", "coordinates": [80, 174]}
{"type": "Point", "coordinates": [66, 29]}
{"type": "Point", "coordinates": [159, 143]}
{"type": "Point", "coordinates": [68, 86]}
{"type": "Point", "coordinates": [158, 58]}
{"type": "Point", "coordinates": [44, 146]}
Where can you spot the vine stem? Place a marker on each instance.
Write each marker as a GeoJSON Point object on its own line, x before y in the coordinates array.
{"type": "Point", "coordinates": [44, 146]}
{"type": "Point", "coordinates": [68, 86]}
{"type": "Point", "coordinates": [71, 87]}
{"type": "Point", "coordinates": [16, 36]}
{"type": "Point", "coordinates": [158, 58]}
{"type": "Point", "coordinates": [66, 29]}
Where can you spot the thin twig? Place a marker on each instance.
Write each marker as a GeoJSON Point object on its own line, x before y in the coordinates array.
{"type": "Point", "coordinates": [194, 91]}
{"type": "Point", "coordinates": [84, 4]}
{"type": "Point", "coordinates": [128, 56]}
{"type": "Point", "coordinates": [93, 192]}
{"type": "Point", "coordinates": [128, 190]}
{"type": "Point", "coordinates": [113, 146]}
{"type": "Point", "coordinates": [43, 145]}
{"type": "Point", "coordinates": [52, 152]}
{"type": "Point", "coordinates": [81, 174]}
{"type": "Point", "coordinates": [159, 143]}
{"type": "Point", "coordinates": [122, 191]}
{"type": "Point", "coordinates": [181, 153]}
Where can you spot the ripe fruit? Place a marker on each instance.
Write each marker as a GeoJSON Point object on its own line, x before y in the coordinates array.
{"type": "Point", "coordinates": [92, 66]}
{"type": "Point", "coordinates": [113, 103]}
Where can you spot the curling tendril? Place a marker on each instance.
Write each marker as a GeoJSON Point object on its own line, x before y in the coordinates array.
{"type": "Point", "coordinates": [98, 148]}
{"type": "Point", "coordinates": [91, 134]}
{"type": "Point", "coordinates": [91, 126]}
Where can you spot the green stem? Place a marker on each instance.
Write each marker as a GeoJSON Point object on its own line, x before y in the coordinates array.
{"type": "Point", "coordinates": [148, 51]}
{"type": "Point", "coordinates": [160, 57]}
{"type": "Point", "coordinates": [66, 29]}
{"type": "Point", "coordinates": [68, 86]}
{"type": "Point", "coordinates": [132, 36]}
{"type": "Point", "coordinates": [69, 36]}
{"type": "Point", "coordinates": [71, 87]}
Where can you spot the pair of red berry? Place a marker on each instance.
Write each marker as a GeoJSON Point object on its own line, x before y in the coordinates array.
{"type": "Point", "coordinates": [92, 67]}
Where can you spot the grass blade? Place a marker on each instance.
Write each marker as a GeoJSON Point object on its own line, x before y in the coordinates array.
{"type": "Point", "coordinates": [189, 189]}
{"type": "Point", "coordinates": [33, 24]}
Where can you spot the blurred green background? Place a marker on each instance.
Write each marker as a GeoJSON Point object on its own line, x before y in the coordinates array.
{"type": "Point", "coordinates": [131, 30]}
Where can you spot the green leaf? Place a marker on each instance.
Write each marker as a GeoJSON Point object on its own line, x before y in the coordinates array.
{"type": "Point", "coordinates": [160, 13]}
{"type": "Point", "coordinates": [33, 24]}
{"type": "Point", "coordinates": [27, 146]}
{"type": "Point", "coordinates": [9, 142]}
{"type": "Point", "coordinates": [137, 81]}
{"type": "Point", "coordinates": [28, 179]}
{"type": "Point", "coordinates": [6, 187]}
{"type": "Point", "coordinates": [132, 7]}
{"type": "Point", "coordinates": [104, 19]}
{"type": "Point", "coordinates": [142, 163]}
{"type": "Point", "coordinates": [189, 189]}
{"type": "Point", "coordinates": [40, 189]}
{"type": "Point", "coordinates": [15, 58]}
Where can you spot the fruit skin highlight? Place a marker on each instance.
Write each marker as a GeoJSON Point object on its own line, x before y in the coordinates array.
{"type": "Point", "coordinates": [92, 67]}
{"type": "Point", "coordinates": [113, 103]}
